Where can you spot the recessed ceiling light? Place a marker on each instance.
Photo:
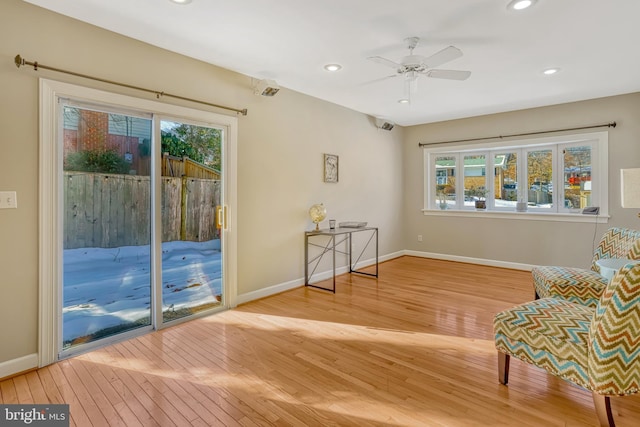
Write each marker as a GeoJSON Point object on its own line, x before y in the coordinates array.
{"type": "Point", "coordinates": [550, 71]}
{"type": "Point", "coordinates": [520, 4]}
{"type": "Point", "coordinates": [180, 1]}
{"type": "Point", "coordinates": [333, 67]}
{"type": "Point", "coordinates": [403, 101]}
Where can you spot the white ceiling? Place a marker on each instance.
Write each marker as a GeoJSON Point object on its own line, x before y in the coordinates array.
{"type": "Point", "coordinates": [594, 42]}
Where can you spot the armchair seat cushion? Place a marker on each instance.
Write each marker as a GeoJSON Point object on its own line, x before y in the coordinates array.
{"type": "Point", "coordinates": [573, 284]}
{"type": "Point", "coordinates": [549, 333]}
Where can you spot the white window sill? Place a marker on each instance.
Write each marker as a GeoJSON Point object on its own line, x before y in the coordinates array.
{"type": "Point", "coordinates": [528, 216]}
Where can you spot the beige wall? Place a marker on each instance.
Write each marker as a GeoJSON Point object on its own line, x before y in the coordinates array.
{"type": "Point", "coordinates": [528, 242]}
{"type": "Point", "coordinates": [280, 148]}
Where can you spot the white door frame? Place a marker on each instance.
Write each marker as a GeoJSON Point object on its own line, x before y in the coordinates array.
{"type": "Point", "coordinates": [50, 198]}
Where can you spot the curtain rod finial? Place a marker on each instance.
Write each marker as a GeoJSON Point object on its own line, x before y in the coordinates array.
{"type": "Point", "coordinates": [18, 61]}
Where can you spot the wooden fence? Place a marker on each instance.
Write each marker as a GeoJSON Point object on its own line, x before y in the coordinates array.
{"type": "Point", "coordinates": [184, 166]}
{"type": "Point", "coordinates": [108, 210]}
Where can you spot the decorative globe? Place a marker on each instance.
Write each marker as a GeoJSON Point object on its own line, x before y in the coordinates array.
{"type": "Point", "coordinates": [317, 213]}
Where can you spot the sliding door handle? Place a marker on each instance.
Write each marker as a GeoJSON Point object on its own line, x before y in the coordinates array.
{"type": "Point", "coordinates": [221, 217]}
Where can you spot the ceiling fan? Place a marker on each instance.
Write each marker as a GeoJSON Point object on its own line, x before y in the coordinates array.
{"type": "Point", "coordinates": [413, 66]}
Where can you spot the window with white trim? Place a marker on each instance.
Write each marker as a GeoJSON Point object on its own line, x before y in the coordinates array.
{"type": "Point", "coordinates": [551, 175]}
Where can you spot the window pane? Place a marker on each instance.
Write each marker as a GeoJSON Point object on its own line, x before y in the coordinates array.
{"type": "Point", "coordinates": [505, 182]}
{"type": "Point", "coordinates": [577, 177]}
{"type": "Point", "coordinates": [445, 182]}
{"type": "Point", "coordinates": [191, 246]}
{"type": "Point", "coordinates": [474, 178]}
{"type": "Point", "coordinates": [539, 178]}
{"type": "Point", "coordinates": [106, 230]}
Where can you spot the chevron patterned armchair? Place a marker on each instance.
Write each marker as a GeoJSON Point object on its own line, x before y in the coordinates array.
{"type": "Point", "coordinates": [596, 348]}
{"type": "Point", "coordinates": [581, 285]}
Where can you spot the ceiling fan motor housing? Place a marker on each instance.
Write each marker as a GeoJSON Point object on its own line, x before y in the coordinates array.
{"type": "Point", "coordinates": [413, 61]}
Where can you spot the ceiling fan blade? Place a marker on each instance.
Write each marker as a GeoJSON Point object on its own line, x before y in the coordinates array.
{"type": "Point", "coordinates": [385, 61]}
{"type": "Point", "coordinates": [445, 55]}
{"type": "Point", "coordinates": [448, 74]}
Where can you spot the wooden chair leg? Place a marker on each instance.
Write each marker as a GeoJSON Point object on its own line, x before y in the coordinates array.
{"type": "Point", "coordinates": [503, 367]}
{"type": "Point", "coordinates": [603, 410]}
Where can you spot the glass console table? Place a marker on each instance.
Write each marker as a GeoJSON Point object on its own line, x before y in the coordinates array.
{"type": "Point", "coordinates": [332, 241]}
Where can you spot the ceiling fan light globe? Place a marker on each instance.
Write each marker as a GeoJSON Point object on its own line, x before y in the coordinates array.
{"type": "Point", "coordinates": [411, 75]}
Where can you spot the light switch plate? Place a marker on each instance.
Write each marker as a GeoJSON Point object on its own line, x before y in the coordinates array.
{"type": "Point", "coordinates": [8, 200]}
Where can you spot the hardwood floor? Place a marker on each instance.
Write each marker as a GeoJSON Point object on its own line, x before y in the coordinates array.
{"type": "Point", "coordinates": [414, 347]}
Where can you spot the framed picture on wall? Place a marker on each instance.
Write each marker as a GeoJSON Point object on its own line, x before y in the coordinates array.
{"type": "Point", "coordinates": [330, 168]}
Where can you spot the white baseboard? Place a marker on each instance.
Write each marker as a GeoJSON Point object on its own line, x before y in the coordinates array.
{"type": "Point", "coordinates": [480, 261]}
{"type": "Point", "coordinates": [391, 256]}
{"type": "Point", "coordinates": [276, 289]}
{"type": "Point", "coordinates": [14, 366]}
{"type": "Point", "coordinates": [271, 290]}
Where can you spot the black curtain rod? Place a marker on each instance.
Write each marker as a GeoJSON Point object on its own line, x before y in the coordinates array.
{"type": "Point", "coordinates": [19, 61]}
{"type": "Point", "coordinates": [609, 125]}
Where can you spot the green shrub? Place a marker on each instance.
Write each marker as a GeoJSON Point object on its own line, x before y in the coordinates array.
{"type": "Point", "coordinates": [104, 161]}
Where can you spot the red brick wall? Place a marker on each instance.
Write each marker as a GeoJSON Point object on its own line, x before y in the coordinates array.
{"type": "Point", "coordinates": [92, 130]}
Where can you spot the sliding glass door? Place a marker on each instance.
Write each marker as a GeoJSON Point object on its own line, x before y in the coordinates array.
{"type": "Point", "coordinates": [191, 237]}
{"type": "Point", "coordinates": [106, 254]}
{"type": "Point", "coordinates": [122, 271]}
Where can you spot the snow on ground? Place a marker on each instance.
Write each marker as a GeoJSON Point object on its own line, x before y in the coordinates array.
{"type": "Point", "coordinates": [109, 287]}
